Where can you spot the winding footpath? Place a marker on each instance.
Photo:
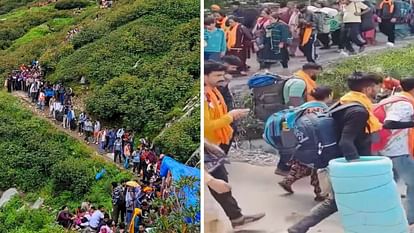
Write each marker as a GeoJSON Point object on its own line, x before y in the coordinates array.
{"type": "Point", "coordinates": [22, 96]}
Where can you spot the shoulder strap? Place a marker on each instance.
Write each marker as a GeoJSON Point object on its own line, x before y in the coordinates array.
{"type": "Point", "coordinates": [339, 107]}
{"type": "Point", "coordinates": [393, 99]}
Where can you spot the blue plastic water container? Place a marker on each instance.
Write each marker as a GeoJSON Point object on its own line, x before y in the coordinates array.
{"type": "Point", "coordinates": [366, 195]}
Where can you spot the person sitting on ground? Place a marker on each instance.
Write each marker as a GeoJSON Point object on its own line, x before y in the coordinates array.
{"type": "Point", "coordinates": [105, 224]}
{"type": "Point", "coordinates": [96, 217]}
{"type": "Point", "coordinates": [84, 221]}
{"type": "Point", "coordinates": [65, 218]}
{"type": "Point", "coordinates": [142, 229]}
{"type": "Point", "coordinates": [121, 228]}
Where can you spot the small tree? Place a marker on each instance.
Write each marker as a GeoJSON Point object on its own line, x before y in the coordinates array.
{"type": "Point", "coordinates": [174, 216]}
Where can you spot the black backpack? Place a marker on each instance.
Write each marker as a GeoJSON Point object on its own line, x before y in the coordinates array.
{"type": "Point", "coordinates": [267, 92]}
{"type": "Point", "coordinates": [317, 134]}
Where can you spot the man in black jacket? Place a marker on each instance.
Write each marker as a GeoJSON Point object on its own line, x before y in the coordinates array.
{"type": "Point", "coordinates": [232, 63]}
{"type": "Point", "coordinates": [353, 141]}
{"type": "Point", "coordinates": [388, 13]}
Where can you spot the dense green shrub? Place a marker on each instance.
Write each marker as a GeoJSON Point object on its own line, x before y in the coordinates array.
{"type": "Point", "coordinates": [9, 5]}
{"type": "Point", "coordinates": [395, 62]}
{"type": "Point", "coordinates": [15, 219]}
{"type": "Point", "coordinates": [71, 4]}
{"type": "Point", "coordinates": [180, 139]}
{"type": "Point", "coordinates": [72, 176]}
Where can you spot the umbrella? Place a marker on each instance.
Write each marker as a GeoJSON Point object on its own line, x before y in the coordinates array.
{"type": "Point", "coordinates": [132, 183]}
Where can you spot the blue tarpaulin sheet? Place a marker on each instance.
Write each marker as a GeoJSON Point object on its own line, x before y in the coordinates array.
{"type": "Point", "coordinates": [179, 170]}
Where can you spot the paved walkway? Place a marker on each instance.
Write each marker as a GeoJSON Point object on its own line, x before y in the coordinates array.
{"type": "Point", "coordinates": [256, 190]}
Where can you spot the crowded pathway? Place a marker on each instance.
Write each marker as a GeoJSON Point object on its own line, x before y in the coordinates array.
{"type": "Point", "coordinates": [348, 125]}
{"type": "Point", "coordinates": [132, 200]}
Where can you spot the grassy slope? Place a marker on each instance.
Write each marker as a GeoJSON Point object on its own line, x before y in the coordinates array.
{"type": "Point", "coordinates": [159, 36]}
{"type": "Point", "coordinates": [395, 62]}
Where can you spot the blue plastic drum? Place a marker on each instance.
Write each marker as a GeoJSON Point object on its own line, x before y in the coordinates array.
{"type": "Point", "coordinates": [366, 195]}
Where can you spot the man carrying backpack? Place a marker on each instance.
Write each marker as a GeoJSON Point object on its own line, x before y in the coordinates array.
{"type": "Point", "coordinates": [296, 91]}
{"type": "Point", "coordinates": [355, 125]}
{"type": "Point", "coordinates": [118, 199]}
{"type": "Point", "coordinates": [399, 121]}
{"type": "Point", "coordinates": [217, 130]}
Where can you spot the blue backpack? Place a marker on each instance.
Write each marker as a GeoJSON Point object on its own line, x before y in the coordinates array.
{"type": "Point", "coordinates": [314, 135]}
{"type": "Point", "coordinates": [279, 127]}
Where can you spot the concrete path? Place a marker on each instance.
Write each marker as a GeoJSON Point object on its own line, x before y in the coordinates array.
{"type": "Point", "coordinates": [256, 190]}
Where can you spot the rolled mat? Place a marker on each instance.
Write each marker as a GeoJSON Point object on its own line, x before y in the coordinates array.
{"type": "Point", "coordinates": [366, 195]}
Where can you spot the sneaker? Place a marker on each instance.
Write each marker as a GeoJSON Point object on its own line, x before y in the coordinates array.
{"type": "Point", "coordinates": [343, 53]}
{"type": "Point", "coordinates": [245, 220]}
{"type": "Point", "coordinates": [362, 49]}
{"type": "Point", "coordinates": [319, 198]}
{"type": "Point", "coordinates": [390, 44]}
{"type": "Point", "coordinates": [280, 172]}
{"type": "Point", "coordinates": [286, 187]}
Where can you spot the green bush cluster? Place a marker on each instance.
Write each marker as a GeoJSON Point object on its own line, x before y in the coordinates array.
{"type": "Point", "coordinates": [141, 58]}
{"type": "Point", "coordinates": [71, 4]}
{"type": "Point", "coordinates": [395, 62]}
{"type": "Point", "coordinates": [9, 5]}
{"type": "Point", "coordinates": [179, 11]}
{"type": "Point", "coordinates": [15, 219]}
{"type": "Point", "coordinates": [180, 140]}
{"type": "Point", "coordinates": [17, 23]}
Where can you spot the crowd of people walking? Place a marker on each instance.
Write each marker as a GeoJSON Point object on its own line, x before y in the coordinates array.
{"type": "Point", "coordinates": [57, 99]}
{"type": "Point", "coordinates": [279, 31]}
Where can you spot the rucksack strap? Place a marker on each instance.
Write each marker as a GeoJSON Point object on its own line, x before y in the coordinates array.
{"type": "Point", "coordinates": [339, 107]}
{"type": "Point", "coordinates": [392, 99]}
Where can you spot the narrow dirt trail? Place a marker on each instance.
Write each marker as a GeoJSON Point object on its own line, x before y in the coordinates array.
{"type": "Point", "coordinates": [22, 96]}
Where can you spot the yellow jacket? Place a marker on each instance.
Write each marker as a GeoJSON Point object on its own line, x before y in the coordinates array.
{"type": "Point", "coordinates": [217, 129]}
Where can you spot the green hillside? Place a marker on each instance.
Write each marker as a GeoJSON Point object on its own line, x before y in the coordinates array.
{"type": "Point", "coordinates": [140, 58]}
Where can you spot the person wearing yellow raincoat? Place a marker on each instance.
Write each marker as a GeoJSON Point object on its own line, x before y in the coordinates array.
{"type": "Point", "coordinates": [135, 222]}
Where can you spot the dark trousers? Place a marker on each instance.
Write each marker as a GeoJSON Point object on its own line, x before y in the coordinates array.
{"type": "Point", "coordinates": [336, 37]}
{"type": "Point", "coordinates": [226, 200]}
{"type": "Point", "coordinates": [309, 49]}
{"type": "Point", "coordinates": [117, 154]}
{"type": "Point", "coordinates": [352, 34]}
{"type": "Point", "coordinates": [284, 157]}
{"type": "Point", "coordinates": [319, 213]}
{"type": "Point", "coordinates": [136, 167]}
{"type": "Point", "coordinates": [242, 54]}
{"type": "Point", "coordinates": [324, 39]}
{"type": "Point", "coordinates": [298, 171]}
{"type": "Point", "coordinates": [388, 29]}
{"type": "Point", "coordinates": [119, 211]}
